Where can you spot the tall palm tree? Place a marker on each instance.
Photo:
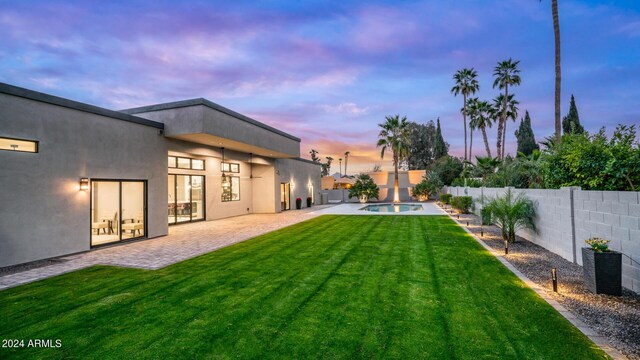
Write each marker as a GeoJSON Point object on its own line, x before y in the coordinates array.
{"type": "Point", "coordinates": [329, 161]}
{"type": "Point", "coordinates": [346, 160]}
{"type": "Point", "coordinates": [509, 109]}
{"type": "Point", "coordinates": [394, 136]}
{"type": "Point", "coordinates": [556, 35]}
{"type": "Point", "coordinates": [466, 83]}
{"type": "Point", "coordinates": [340, 173]}
{"type": "Point", "coordinates": [482, 121]}
{"type": "Point", "coordinates": [472, 111]}
{"type": "Point", "coordinates": [506, 74]}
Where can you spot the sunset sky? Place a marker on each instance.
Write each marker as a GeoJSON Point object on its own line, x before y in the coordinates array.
{"type": "Point", "coordinates": [328, 72]}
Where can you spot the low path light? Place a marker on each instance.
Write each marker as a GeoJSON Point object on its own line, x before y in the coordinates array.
{"type": "Point", "coordinates": [554, 279]}
{"type": "Point", "coordinates": [506, 247]}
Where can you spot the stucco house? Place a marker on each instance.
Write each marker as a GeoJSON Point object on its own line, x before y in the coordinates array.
{"type": "Point", "coordinates": [75, 176]}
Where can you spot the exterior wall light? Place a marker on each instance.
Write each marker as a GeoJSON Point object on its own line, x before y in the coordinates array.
{"type": "Point", "coordinates": [84, 184]}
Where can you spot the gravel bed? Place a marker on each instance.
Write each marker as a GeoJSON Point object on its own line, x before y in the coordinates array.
{"type": "Point", "coordinates": [615, 317]}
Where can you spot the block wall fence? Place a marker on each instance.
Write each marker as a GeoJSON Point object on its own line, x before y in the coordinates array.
{"type": "Point", "coordinates": [568, 216]}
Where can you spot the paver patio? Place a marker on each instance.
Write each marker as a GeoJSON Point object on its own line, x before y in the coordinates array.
{"type": "Point", "coordinates": [183, 242]}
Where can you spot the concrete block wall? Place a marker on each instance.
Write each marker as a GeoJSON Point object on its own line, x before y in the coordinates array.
{"type": "Point", "coordinates": [567, 217]}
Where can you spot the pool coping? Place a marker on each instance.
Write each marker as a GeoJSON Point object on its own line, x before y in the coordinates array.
{"type": "Point", "coordinates": [597, 339]}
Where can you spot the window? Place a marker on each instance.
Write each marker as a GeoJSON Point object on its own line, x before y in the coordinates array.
{"type": "Point", "coordinates": [230, 188]}
{"type": "Point", "coordinates": [197, 164]}
{"type": "Point", "coordinates": [230, 167]}
{"type": "Point", "coordinates": [18, 145]}
{"type": "Point", "coordinates": [184, 163]}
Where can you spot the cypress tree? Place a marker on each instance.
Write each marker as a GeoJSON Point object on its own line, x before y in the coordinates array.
{"type": "Point", "coordinates": [440, 148]}
{"type": "Point", "coordinates": [525, 137]}
{"type": "Point", "coordinates": [571, 122]}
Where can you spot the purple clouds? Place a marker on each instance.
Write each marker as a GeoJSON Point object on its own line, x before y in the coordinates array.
{"type": "Point", "coordinates": [327, 73]}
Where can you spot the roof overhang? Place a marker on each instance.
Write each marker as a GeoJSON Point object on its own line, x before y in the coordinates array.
{"type": "Point", "coordinates": [201, 121]}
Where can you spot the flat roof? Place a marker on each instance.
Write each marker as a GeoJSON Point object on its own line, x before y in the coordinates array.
{"type": "Point", "coordinates": [209, 104]}
{"type": "Point", "coordinates": [75, 105]}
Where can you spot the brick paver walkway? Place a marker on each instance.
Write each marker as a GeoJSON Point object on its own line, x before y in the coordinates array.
{"type": "Point", "coordinates": [182, 243]}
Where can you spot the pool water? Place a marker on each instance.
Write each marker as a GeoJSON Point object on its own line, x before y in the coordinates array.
{"type": "Point", "coordinates": [392, 208]}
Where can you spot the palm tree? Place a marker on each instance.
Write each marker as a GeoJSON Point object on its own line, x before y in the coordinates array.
{"type": "Point", "coordinates": [512, 213]}
{"type": "Point", "coordinates": [394, 136]}
{"type": "Point", "coordinates": [346, 159]}
{"type": "Point", "coordinates": [556, 35]}
{"type": "Point", "coordinates": [340, 173]}
{"type": "Point", "coordinates": [486, 165]}
{"type": "Point", "coordinates": [466, 84]}
{"type": "Point", "coordinates": [472, 110]}
{"type": "Point", "coordinates": [510, 112]}
{"type": "Point", "coordinates": [482, 121]}
{"type": "Point", "coordinates": [328, 164]}
{"type": "Point", "coordinates": [506, 74]}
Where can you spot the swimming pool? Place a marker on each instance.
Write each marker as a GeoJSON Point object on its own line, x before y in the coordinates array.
{"type": "Point", "coordinates": [394, 208]}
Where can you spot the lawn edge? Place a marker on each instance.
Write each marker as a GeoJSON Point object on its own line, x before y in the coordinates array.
{"type": "Point", "coordinates": [594, 336]}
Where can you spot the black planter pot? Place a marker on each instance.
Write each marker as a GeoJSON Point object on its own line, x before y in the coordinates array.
{"type": "Point", "coordinates": [308, 202]}
{"type": "Point", "coordinates": [298, 204]}
{"type": "Point", "coordinates": [602, 271]}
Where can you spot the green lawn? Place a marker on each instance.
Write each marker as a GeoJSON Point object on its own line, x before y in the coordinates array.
{"type": "Point", "coordinates": [333, 287]}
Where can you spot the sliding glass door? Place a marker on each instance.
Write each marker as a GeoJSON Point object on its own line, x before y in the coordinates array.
{"type": "Point", "coordinates": [285, 196]}
{"type": "Point", "coordinates": [118, 211]}
{"type": "Point", "coordinates": [185, 198]}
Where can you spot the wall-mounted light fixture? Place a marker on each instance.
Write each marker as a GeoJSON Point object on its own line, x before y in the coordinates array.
{"type": "Point", "coordinates": [84, 184]}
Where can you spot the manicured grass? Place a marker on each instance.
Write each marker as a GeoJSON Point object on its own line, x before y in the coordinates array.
{"type": "Point", "coordinates": [333, 287]}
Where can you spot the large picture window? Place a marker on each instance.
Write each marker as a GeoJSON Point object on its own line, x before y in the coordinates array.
{"type": "Point", "coordinates": [231, 188]}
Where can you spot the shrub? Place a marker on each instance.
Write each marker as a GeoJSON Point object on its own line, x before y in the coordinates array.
{"type": "Point", "coordinates": [446, 169]}
{"type": "Point", "coordinates": [429, 186]}
{"type": "Point", "coordinates": [364, 186]}
{"type": "Point", "coordinates": [462, 203]}
{"type": "Point", "coordinates": [445, 198]}
{"type": "Point", "coordinates": [485, 216]}
{"type": "Point", "coordinates": [512, 213]}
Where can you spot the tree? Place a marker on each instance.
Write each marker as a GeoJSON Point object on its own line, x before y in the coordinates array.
{"type": "Point", "coordinates": [482, 121]}
{"type": "Point", "coordinates": [485, 166]}
{"type": "Point", "coordinates": [394, 136]}
{"type": "Point", "coordinates": [556, 36]}
{"type": "Point", "coordinates": [524, 135]}
{"type": "Point", "coordinates": [326, 167]}
{"type": "Point", "coordinates": [364, 187]}
{"type": "Point", "coordinates": [473, 109]}
{"type": "Point", "coordinates": [506, 74]}
{"type": "Point", "coordinates": [440, 148]}
{"type": "Point", "coordinates": [571, 122]}
{"type": "Point", "coordinates": [421, 148]}
{"type": "Point", "coordinates": [466, 83]}
{"type": "Point", "coordinates": [507, 108]}
{"type": "Point", "coordinates": [346, 160]}
{"type": "Point", "coordinates": [314, 156]}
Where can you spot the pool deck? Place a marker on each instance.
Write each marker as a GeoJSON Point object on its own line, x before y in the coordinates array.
{"type": "Point", "coordinates": [428, 208]}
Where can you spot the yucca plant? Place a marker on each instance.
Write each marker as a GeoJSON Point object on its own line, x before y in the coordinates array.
{"type": "Point", "coordinates": [512, 213]}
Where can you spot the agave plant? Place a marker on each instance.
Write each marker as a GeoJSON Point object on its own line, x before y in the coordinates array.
{"type": "Point", "coordinates": [512, 213]}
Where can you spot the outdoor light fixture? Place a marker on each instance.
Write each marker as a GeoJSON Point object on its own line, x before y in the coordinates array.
{"type": "Point", "coordinates": [84, 184]}
{"type": "Point", "coordinates": [506, 247]}
{"type": "Point", "coordinates": [458, 216]}
{"type": "Point", "coordinates": [467, 223]}
{"type": "Point", "coordinates": [554, 279]}
{"type": "Point", "coordinates": [481, 231]}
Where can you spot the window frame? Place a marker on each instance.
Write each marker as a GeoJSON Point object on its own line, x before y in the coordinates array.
{"type": "Point", "coordinates": [230, 167]}
{"type": "Point", "coordinates": [222, 197]}
{"type": "Point", "coordinates": [36, 144]}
